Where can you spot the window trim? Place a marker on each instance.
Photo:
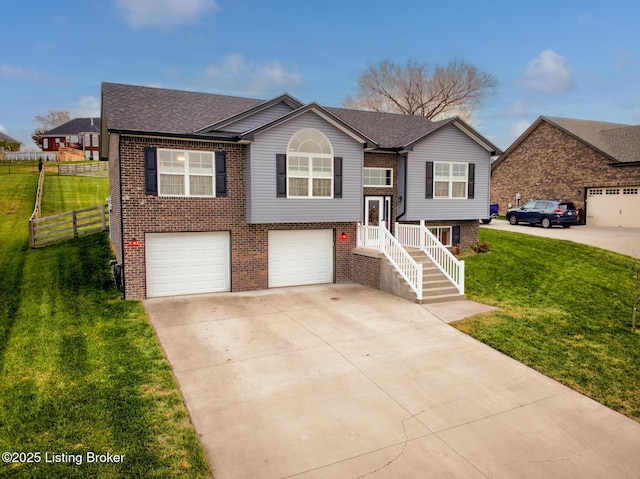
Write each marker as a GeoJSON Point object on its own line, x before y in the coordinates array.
{"type": "Point", "coordinates": [390, 176]}
{"type": "Point", "coordinates": [439, 231]}
{"type": "Point", "coordinates": [310, 156]}
{"type": "Point", "coordinates": [451, 181]}
{"type": "Point", "coordinates": [187, 174]}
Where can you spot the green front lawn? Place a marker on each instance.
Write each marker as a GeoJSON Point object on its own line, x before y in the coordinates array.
{"type": "Point", "coordinates": [68, 193]}
{"type": "Point", "coordinates": [565, 310]}
{"type": "Point", "coordinates": [81, 370]}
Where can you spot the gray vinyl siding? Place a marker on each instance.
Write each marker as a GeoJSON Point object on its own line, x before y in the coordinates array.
{"type": "Point", "coordinates": [448, 144]}
{"type": "Point", "coordinates": [258, 119]}
{"type": "Point", "coordinates": [263, 205]}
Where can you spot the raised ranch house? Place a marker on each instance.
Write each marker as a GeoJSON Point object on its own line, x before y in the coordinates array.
{"type": "Point", "coordinates": [592, 163]}
{"type": "Point", "coordinates": [218, 193]}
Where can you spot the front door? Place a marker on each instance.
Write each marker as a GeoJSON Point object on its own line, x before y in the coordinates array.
{"type": "Point", "coordinates": [377, 209]}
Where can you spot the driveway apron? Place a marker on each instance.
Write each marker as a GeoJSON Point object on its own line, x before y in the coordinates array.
{"type": "Point", "coordinates": [620, 240]}
{"type": "Point", "coordinates": [343, 381]}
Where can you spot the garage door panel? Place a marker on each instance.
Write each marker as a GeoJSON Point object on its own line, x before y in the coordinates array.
{"type": "Point", "coordinates": [300, 257]}
{"type": "Point", "coordinates": [614, 206]}
{"type": "Point", "coordinates": [187, 263]}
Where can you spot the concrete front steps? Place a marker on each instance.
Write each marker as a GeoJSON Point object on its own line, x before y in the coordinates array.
{"type": "Point", "coordinates": [436, 287]}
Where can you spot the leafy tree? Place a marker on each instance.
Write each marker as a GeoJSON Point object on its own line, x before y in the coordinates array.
{"type": "Point", "coordinates": [416, 89]}
{"type": "Point", "coordinates": [48, 122]}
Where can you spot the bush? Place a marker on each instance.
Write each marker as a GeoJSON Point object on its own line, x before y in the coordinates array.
{"type": "Point", "coordinates": [481, 247]}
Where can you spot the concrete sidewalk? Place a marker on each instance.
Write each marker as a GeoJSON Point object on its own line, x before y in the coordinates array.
{"type": "Point", "coordinates": [343, 381]}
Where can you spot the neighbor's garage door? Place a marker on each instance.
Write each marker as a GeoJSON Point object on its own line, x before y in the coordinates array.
{"type": "Point", "coordinates": [300, 257]}
{"type": "Point", "coordinates": [614, 206]}
{"type": "Point", "coordinates": [187, 263]}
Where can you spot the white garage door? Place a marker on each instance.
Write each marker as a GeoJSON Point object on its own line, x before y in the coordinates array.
{"type": "Point", "coordinates": [619, 206]}
{"type": "Point", "coordinates": [300, 257]}
{"type": "Point", "coordinates": [187, 263]}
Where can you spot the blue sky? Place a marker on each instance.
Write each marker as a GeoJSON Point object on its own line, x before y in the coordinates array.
{"type": "Point", "coordinates": [577, 59]}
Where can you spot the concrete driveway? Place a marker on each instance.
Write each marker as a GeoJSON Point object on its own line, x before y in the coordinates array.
{"type": "Point", "coordinates": [620, 240]}
{"type": "Point", "coordinates": [343, 381]}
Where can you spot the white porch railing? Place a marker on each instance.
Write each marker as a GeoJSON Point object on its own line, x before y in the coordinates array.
{"type": "Point", "coordinates": [419, 236]}
{"type": "Point", "coordinates": [379, 238]}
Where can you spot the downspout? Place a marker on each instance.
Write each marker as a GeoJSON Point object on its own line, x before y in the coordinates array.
{"type": "Point", "coordinates": [404, 181]}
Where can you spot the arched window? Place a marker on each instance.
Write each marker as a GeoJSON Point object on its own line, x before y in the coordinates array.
{"type": "Point", "coordinates": [310, 165]}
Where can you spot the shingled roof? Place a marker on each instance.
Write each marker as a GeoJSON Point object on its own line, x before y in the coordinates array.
{"type": "Point", "coordinates": [128, 108]}
{"type": "Point", "coordinates": [75, 127]}
{"type": "Point", "coordinates": [618, 141]}
{"type": "Point", "coordinates": [159, 110]}
{"type": "Point", "coordinates": [7, 138]}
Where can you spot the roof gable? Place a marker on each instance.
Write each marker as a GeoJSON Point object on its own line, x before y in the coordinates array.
{"type": "Point", "coordinates": [75, 127]}
{"type": "Point", "coordinates": [617, 141]}
{"type": "Point", "coordinates": [323, 113]}
{"type": "Point", "coordinates": [227, 124]}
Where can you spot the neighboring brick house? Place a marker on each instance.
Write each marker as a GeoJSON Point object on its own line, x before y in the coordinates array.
{"type": "Point", "coordinates": [594, 164]}
{"type": "Point", "coordinates": [80, 134]}
{"type": "Point", "coordinates": [219, 193]}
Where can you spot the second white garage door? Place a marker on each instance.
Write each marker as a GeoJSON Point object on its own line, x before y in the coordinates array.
{"type": "Point", "coordinates": [187, 263]}
{"type": "Point", "coordinates": [300, 257]}
{"type": "Point", "coordinates": [615, 206]}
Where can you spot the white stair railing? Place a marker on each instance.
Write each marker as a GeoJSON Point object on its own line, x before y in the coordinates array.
{"type": "Point", "coordinates": [381, 239]}
{"type": "Point", "coordinates": [419, 236]}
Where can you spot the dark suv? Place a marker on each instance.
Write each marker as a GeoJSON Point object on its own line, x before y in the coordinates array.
{"type": "Point", "coordinates": [545, 212]}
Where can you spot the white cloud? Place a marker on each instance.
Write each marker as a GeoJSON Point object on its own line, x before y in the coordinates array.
{"type": "Point", "coordinates": [10, 71]}
{"type": "Point", "coordinates": [237, 75]}
{"type": "Point", "coordinates": [87, 106]}
{"type": "Point", "coordinates": [548, 73]}
{"type": "Point", "coordinates": [3, 129]}
{"type": "Point", "coordinates": [164, 13]}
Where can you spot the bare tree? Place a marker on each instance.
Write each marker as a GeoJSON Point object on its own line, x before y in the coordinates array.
{"type": "Point", "coordinates": [48, 122]}
{"type": "Point", "coordinates": [453, 90]}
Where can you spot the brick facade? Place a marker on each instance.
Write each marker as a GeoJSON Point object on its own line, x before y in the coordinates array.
{"type": "Point", "coordinates": [382, 160]}
{"type": "Point", "coordinates": [550, 163]}
{"type": "Point", "coordinates": [143, 214]}
{"type": "Point", "coordinates": [365, 269]}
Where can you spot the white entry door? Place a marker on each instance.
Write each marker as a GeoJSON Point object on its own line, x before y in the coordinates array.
{"type": "Point", "coordinates": [377, 209]}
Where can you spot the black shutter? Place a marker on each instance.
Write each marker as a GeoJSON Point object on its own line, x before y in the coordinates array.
{"type": "Point", "coordinates": [150, 171]}
{"type": "Point", "coordinates": [281, 175]}
{"type": "Point", "coordinates": [456, 235]}
{"type": "Point", "coordinates": [337, 177]}
{"type": "Point", "coordinates": [471, 185]}
{"type": "Point", "coordinates": [429, 184]}
{"type": "Point", "coordinates": [221, 173]}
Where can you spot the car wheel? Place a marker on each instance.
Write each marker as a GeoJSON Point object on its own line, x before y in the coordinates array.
{"type": "Point", "coordinates": [513, 220]}
{"type": "Point", "coordinates": [486, 222]}
{"type": "Point", "coordinates": [545, 223]}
